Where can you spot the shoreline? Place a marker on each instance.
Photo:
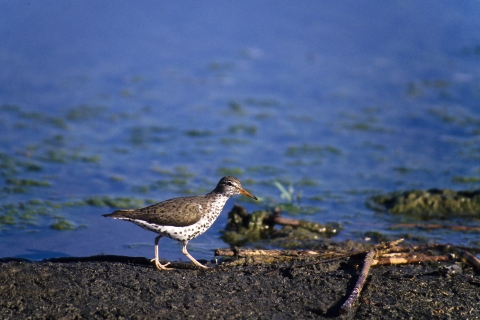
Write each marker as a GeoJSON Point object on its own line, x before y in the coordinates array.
{"type": "Point", "coordinates": [107, 287]}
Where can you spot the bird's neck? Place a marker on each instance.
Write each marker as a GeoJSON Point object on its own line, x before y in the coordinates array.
{"type": "Point", "coordinates": [218, 200]}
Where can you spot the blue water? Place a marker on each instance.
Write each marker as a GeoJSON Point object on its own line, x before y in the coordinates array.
{"type": "Point", "coordinates": [337, 100]}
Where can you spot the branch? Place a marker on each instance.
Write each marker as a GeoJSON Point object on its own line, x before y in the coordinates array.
{"type": "Point", "coordinates": [408, 259]}
{"type": "Point", "coordinates": [369, 259]}
{"type": "Point", "coordinates": [242, 253]}
{"type": "Point", "coordinates": [467, 257]}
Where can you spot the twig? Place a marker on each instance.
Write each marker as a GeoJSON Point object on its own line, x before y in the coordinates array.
{"type": "Point", "coordinates": [381, 248]}
{"type": "Point", "coordinates": [467, 257]}
{"type": "Point", "coordinates": [369, 259]}
{"type": "Point", "coordinates": [286, 221]}
{"type": "Point", "coordinates": [386, 246]}
{"type": "Point", "coordinates": [406, 260]}
{"type": "Point", "coordinates": [257, 252]}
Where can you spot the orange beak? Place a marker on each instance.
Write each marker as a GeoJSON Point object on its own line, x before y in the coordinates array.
{"type": "Point", "coordinates": [248, 194]}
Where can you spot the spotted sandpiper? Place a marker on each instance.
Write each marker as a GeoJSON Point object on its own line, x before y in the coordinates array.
{"type": "Point", "coordinates": [185, 218]}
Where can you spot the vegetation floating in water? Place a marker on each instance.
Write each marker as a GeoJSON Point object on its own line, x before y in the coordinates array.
{"type": "Point", "coordinates": [427, 204]}
{"type": "Point", "coordinates": [243, 228]}
{"type": "Point", "coordinates": [61, 224]}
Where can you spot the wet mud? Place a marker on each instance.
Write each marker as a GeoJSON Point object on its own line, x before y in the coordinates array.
{"type": "Point", "coordinates": [116, 287]}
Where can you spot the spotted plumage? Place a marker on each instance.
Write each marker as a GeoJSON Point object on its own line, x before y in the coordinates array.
{"type": "Point", "coordinates": [183, 219]}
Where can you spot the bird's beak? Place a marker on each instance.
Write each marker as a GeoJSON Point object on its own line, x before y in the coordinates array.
{"type": "Point", "coordinates": [248, 194]}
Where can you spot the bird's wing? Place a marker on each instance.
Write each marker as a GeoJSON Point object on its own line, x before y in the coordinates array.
{"type": "Point", "coordinates": [166, 213]}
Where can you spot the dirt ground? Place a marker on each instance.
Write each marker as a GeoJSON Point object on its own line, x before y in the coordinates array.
{"type": "Point", "coordinates": [113, 287]}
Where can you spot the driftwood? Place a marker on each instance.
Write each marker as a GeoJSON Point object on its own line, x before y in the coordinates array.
{"type": "Point", "coordinates": [467, 257]}
{"type": "Point", "coordinates": [417, 258]}
{"type": "Point", "coordinates": [368, 262]}
{"type": "Point", "coordinates": [242, 253]}
{"type": "Point", "coordinates": [383, 248]}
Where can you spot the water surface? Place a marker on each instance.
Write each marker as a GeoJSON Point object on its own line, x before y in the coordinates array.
{"type": "Point", "coordinates": [106, 105]}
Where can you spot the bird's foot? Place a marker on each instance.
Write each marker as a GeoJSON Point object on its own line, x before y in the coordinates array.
{"type": "Point", "coordinates": [161, 266]}
{"type": "Point", "coordinates": [195, 262]}
{"type": "Point", "coordinates": [201, 265]}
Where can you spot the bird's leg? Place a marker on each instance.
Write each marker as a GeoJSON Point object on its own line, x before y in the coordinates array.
{"type": "Point", "coordinates": [185, 252]}
{"type": "Point", "coordinates": [157, 262]}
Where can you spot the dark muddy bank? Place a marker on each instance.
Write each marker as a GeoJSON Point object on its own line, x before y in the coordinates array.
{"type": "Point", "coordinates": [111, 287]}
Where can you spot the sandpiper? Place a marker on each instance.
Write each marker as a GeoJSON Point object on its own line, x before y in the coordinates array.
{"type": "Point", "coordinates": [185, 218]}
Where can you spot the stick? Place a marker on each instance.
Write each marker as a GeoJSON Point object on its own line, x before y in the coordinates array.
{"type": "Point", "coordinates": [286, 221]}
{"type": "Point", "coordinates": [467, 257]}
{"type": "Point", "coordinates": [369, 259]}
{"type": "Point", "coordinates": [407, 260]}
{"type": "Point", "coordinates": [257, 252]}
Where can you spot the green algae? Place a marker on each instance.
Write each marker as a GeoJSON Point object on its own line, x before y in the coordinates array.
{"type": "Point", "coordinates": [429, 204]}
{"type": "Point", "coordinates": [306, 182]}
{"type": "Point", "coordinates": [243, 128]}
{"type": "Point", "coordinates": [27, 183]}
{"type": "Point", "coordinates": [262, 102]}
{"type": "Point", "coordinates": [31, 166]}
{"type": "Point", "coordinates": [65, 156]}
{"type": "Point", "coordinates": [198, 133]}
{"type": "Point", "coordinates": [85, 113]}
{"type": "Point", "coordinates": [177, 179]}
{"type": "Point", "coordinates": [178, 171]}
{"type": "Point", "coordinates": [35, 118]}
{"type": "Point", "coordinates": [367, 120]}
{"type": "Point", "coordinates": [117, 178]}
{"type": "Point", "coordinates": [11, 166]}
{"type": "Point", "coordinates": [265, 169]}
{"type": "Point", "coordinates": [23, 213]}
{"type": "Point", "coordinates": [459, 179]}
{"type": "Point", "coordinates": [61, 224]}
{"type": "Point", "coordinates": [141, 189]}
{"type": "Point", "coordinates": [44, 119]}
{"type": "Point", "coordinates": [293, 209]}
{"type": "Point", "coordinates": [363, 126]}
{"type": "Point", "coordinates": [417, 89]}
{"type": "Point", "coordinates": [10, 108]}
{"type": "Point", "coordinates": [23, 185]}
{"type": "Point", "coordinates": [224, 171]}
{"type": "Point", "coordinates": [56, 141]}
{"type": "Point", "coordinates": [7, 219]}
{"type": "Point", "coordinates": [141, 135]}
{"type": "Point", "coordinates": [114, 202]}
{"type": "Point", "coordinates": [290, 237]}
{"type": "Point", "coordinates": [448, 116]}
{"type": "Point", "coordinates": [236, 108]}
{"type": "Point", "coordinates": [309, 149]}
{"type": "Point", "coordinates": [221, 66]}
{"type": "Point", "coordinates": [234, 141]}
{"type": "Point", "coordinates": [34, 211]}
{"type": "Point", "coordinates": [243, 227]}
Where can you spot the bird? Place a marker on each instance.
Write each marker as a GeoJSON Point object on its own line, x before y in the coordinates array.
{"type": "Point", "coordinates": [185, 218]}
